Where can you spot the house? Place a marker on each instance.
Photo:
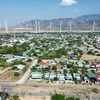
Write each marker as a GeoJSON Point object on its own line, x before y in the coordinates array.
{"type": "Point", "coordinates": [46, 75]}
{"type": "Point", "coordinates": [69, 77]}
{"type": "Point", "coordinates": [43, 64]}
{"type": "Point", "coordinates": [3, 95]}
{"type": "Point", "coordinates": [61, 77]}
{"type": "Point", "coordinates": [20, 67]}
{"type": "Point", "coordinates": [80, 64]}
{"type": "Point", "coordinates": [36, 76]}
{"type": "Point", "coordinates": [52, 75]}
{"type": "Point", "coordinates": [50, 62]}
{"type": "Point", "coordinates": [86, 79]}
{"type": "Point", "coordinates": [77, 76]}
{"type": "Point", "coordinates": [10, 60]}
{"type": "Point", "coordinates": [91, 77]}
{"type": "Point", "coordinates": [7, 56]}
{"type": "Point", "coordinates": [98, 76]}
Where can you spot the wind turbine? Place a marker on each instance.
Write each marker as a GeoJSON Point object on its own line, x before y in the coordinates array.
{"type": "Point", "coordinates": [50, 26]}
{"type": "Point", "coordinates": [94, 26]}
{"type": "Point", "coordinates": [70, 24]}
{"type": "Point", "coordinates": [6, 25]}
{"type": "Point", "coordinates": [14, 34]}
{"type": "Point", "coordinates": [0, 26]}
{"type": "Point", "coordinates": [39, 26]}
{"type": "Point", "coordinates": [60, 26]}
{"type": "Point", "coordinates": [27, 26]}
{"type": "Point", "coordinates": [36, 26]}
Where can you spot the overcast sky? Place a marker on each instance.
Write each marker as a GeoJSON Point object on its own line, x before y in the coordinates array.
{"type": "Point", "coordinates": [17, 11]}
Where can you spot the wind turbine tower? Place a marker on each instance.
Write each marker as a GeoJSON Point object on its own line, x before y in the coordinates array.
{"type": "Point", "coordinates": [6, 25]}
{"type": "Point", "coordinates": [39, 26]}
{"type": "Point", "coordinates": [70, 25]}
{"type": "Point", "coordinates": [0, 26]}
{"type": "Point", "coordinates": [50, 26]}
{"type": "Point", "coordinates": [94, 26]}
{"type": "Point", "coordinates": [60, 26]}
{"type": "Point", "coordinates": [36, 26]}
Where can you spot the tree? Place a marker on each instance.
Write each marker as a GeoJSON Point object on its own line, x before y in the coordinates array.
{"type": "Point", "coordinates": [75, 69]}
{"type": "Point", "coordinates": [15, 97]}
{"type": "Point", "coordinates": [16, 74]}
{"type": "Point", "coordinates": [56, 79]}
{"type": "Point", "coordinates": [58, 97]}
{"type": "Point", "coordinates": [54, 68]}
{"type": "Point", "coordinates": [72, 98]}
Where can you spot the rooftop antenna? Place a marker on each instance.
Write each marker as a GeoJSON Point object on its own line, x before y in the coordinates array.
{"type": "Point", "coordinates": [6, 25]}
{"type": "Point", "coordinates": [60, 26]}
{"type": "Point", "coordinates": [94, 26]}
{"type": "Point", "coordinates": [36, 26]}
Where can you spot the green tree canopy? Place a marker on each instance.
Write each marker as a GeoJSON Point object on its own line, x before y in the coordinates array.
{"type": "Point", "coordinates": [58, 97]}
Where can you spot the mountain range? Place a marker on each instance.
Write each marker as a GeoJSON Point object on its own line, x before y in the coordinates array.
{"type": "Point", "coordinates": [84, 22]}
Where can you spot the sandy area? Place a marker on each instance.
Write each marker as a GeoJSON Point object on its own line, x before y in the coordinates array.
{"type": "Point", "coordinates": [90, 57]}
{"type": "Point", "coordinates": [34, 98]}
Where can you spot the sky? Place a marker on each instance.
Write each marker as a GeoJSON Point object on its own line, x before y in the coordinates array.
{"type": "Point", "coordinates": [17, 11]}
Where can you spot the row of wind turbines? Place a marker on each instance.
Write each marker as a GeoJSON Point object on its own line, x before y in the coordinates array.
{"type": "Point", "coordinates": [38, 26]}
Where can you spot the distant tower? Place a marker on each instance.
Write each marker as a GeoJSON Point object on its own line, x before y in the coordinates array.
{"type": "Point", "coordinates": [36, 26]}
{"type": "Point", "coordinates": [94, 26]}
{"type": "Point", "coordinates": [6, 25]}
{"type": "Point", "coordinates": [50, 26]}
{"type": "Point", "coordinates": [60, 26]}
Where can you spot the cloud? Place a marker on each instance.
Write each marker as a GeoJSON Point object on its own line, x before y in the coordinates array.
{"type": "Point", "coordinates": [67, 2]}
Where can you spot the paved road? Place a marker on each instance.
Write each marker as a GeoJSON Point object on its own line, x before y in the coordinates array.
{"type": "Point", "coordinates": [84, 96]}
{"type": "Point", "coordinates": [27, 74]}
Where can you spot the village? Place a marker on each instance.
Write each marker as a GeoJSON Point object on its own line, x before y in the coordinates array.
{"type": "Point", "coordinates": [61, 57]}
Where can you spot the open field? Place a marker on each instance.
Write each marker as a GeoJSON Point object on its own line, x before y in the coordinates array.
{"type": "Point", "coordinates": [33, 31]}
{"type": "Point", "coordinates": [90, 58]}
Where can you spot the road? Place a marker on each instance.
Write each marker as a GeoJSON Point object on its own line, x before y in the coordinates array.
{"type": "Point", "coordinates": [90, 46]}
{"type": "Point", "coordinates": [5, 70]}
{"type": "Point", "coordinates": [27, 74]}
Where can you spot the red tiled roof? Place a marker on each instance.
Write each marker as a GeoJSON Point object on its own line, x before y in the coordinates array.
{"type": "Point", "coordinates": [97, 75]}
{"type": "Point", "coordinates": [43, 63]}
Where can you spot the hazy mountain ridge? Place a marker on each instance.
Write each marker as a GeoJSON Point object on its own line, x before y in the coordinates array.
{"type": "Point", "coordinates": [88, 17]}
{"type": "Point", "coordinates": [66, 23]}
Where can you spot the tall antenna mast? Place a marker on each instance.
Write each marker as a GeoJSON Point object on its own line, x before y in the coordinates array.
{"type": "Point", "coordinates": [6, 25]}
{"type": "Point", "coordinates": [36, 26]}
{"type": "Point", "coordinates": [94, 26]}
{"type": "Point", "coordinates": [60, 26]}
